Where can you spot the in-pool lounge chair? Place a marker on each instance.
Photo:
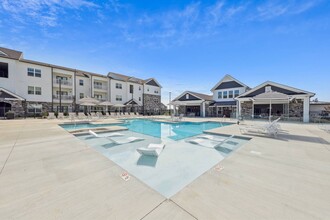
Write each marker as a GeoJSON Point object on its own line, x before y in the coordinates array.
{"type": "Point", "coordinates": [153, 150]}
{"type": "Point", "coordinates": [209, 141]}
{"type": "Point", "coordinates": [115, 134]}
{"type": "Point", "coordinates": [109, 137]}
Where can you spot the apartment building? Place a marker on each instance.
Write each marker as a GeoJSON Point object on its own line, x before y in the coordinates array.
{"type": "Point", "coordinates": [30, 87]}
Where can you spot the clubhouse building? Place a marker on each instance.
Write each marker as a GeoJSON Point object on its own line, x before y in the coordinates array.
{"type": "Point", "coordinates": [232, 98]}
{"type": "Point", "coordinates": [30, 87]}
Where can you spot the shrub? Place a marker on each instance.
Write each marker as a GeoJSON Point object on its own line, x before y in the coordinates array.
{"type": "Point", "coordinates": [10, 115]}
{"type": "Point", "coordinates": [56, 114]}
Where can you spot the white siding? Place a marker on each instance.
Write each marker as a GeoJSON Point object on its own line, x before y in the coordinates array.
{"type": "Point", "coordinates": [137, 92]}
{"type": "Point", "coordinates": [85, 89]}
{"type": "Point", "coordinates": [152, 90]}
{"type": "Point", "coordinates": [115, 91]}
{"type": "Point", "coordinates": [18, 80]}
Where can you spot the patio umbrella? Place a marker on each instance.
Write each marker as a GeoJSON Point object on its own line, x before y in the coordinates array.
{"type": "Point", "coordinates": [106, 103]}
{"type": "Point", "coordinates": [119, 106]}
{"type": "Point", "coordinates": [88, 104]}
{"type": "Point", "coordinates": [271, 96]}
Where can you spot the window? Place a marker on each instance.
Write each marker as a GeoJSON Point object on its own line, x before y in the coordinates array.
{"type": "Point", "coordinates": [38, 90]}
{"type": "Point", "coordinates": [4, 70]}
{"type": "Point", "coordinates": [156, 91]}
{"type": "Point", "coordinates": [236, 93]}
{"type": "Point", "coordinates": [148, 89]}
{"type": "Point", "coordinates": [37, 73]}
{"type": "Point", "coordinates": [187, 96]}
{"type": "Point", "coordinates": [34, 109]}
{"type": "Point", "coordinates": [268, 89]}
{"type": "Point", "coordinates": [225, 94]}
{"type": "Point", "coordinates": [219, 95]}
{"type": "Point", "coordinates": [81, 95]}
{"type": "Point", "coordinates": [98, 96]}
{"type": "Point", "coordinates": [30, 72]}
{"type": "Point", "coordinates": [131, 89]}
{"type": "Point", "coordinates": [231, 94]}
{"type": "Point", "coordinates": [139, 88]}
{"type": "Point", "coordinates": [140, 99]}
{"type": "Point", "coordinates": [119, 98]}
{"type": "Point", "coordinates": [81, 82]}
{"type": "Point", "coordinates": [34, 72]}
{"type": "Point", "coordinates": [119, 86]}
{"type": "Point", "coordinates": [30, 90]}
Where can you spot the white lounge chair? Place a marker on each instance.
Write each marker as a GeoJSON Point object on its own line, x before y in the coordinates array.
{"type": "Point", "coordinates": [82, 115]}
{"type": "Point", "coordinates": [123, 141]}
{"type": "Point", "coordinates": [268, 129]}
{"type": "Point", "coordinates": [210, 143]}
{"type": "Point", "coordinates": [51, 115]}
{"type": "Point", "coordinates": [151, 150]}
{"type": "Point", "coordinates": [115, 134]}
{"type": "Point", "coordinates": [60, 115]}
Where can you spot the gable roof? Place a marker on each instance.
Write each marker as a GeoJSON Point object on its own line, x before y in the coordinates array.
{"type": "Point", "coordinates": [277, 87]}
{"type": "Point", "coordinates": [9, 53]}
{"type": "Point", "coordinates": [152, 82]}
{"type": "Point", "coordinates": [199, 96]}
{"type": "Point", "coordinates": [228, 82]}
{"type": "Point", "coordinates": [6, 94]}
{"type": "Point", "coordinates": [121, 77]}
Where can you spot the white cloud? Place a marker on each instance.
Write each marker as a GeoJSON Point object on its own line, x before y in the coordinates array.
{"type": "Point", "coordinates": [273, 9]}
{"type": "Point", "coordinates": [43, 12]}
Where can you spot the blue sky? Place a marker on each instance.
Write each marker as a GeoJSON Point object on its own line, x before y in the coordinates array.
{"type": "Point", "coordinates": [185, 45]}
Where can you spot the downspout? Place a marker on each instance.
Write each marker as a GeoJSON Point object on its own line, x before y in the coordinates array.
{"type": "Point", "coordinates": [52, 78]}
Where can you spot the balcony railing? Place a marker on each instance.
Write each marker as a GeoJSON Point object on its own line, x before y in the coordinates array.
{"type": "Point", "coordinates": [63, 97]}
{"type": "Point", "coordinates": [100, 87]}
{"type": "Point", "coordinates": [102, 99]}
{"type": "Point", "coordinates": [63, 82]}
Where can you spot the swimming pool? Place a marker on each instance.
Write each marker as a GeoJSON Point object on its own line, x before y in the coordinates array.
{"type": "Point", "coordinates": [174, 131]}
{"type": "Point", "coordinates": [180, 162]}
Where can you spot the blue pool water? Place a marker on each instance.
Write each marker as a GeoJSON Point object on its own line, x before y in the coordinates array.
{"type": "Point", "coordinates": [174, 131]}
{"type": "Point", "coordinates": [180, 162]}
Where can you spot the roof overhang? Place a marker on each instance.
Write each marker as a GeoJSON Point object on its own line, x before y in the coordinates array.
{"type": "Point", "coordinates": [11, 96]}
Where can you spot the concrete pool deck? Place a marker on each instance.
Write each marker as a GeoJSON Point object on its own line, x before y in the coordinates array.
{"type": "Point", "coordinates": [47, 173]}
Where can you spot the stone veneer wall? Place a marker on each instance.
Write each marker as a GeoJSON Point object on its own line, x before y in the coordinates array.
{"type": "Point", "coordinates": [151, 104]}
{"type": "Point", "coordinates": [296, 109]}
{"type": "Point", "coordinates": [182, 109]}
{"type": "Point", "coordinates": [20, 107]}
{"type": "Point", "coordinates": [246, 108]}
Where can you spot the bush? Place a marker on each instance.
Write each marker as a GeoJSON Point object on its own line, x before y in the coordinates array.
{"type": "Point", "coordinates": [10, 115]}
{"type": "Point", "coordinates": [66, 114]}
{"type": "Point", "coordinates": [56, 114]}
{"type": "Point", "coordinates": [45, 114]}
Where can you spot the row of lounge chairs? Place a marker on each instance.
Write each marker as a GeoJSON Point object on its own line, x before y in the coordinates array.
{"type": "Point", "coordinates": [93, 115]}
{"type": "Point", "coordinates": [325, 127]}
{"type": "Point", "coordinates": [151, 150]}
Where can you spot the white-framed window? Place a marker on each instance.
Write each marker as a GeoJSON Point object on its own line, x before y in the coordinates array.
{"type": "Point", "coordinates": [30, 72]}
{"type": "Point", "coordinates": [187, 96]}
{"type": "Point", "coordinates": [31, 90]}
{"type": "Point", "coordinates": [236, 93]}
{"type": "Point", "coordinates": [225, 94]}
{"type": "Point", "coordinates": [63, 78]}
{"type": "Point", "coordinates": [268, 89]}
{"type": "Point", "coordinates": [156, 91]}
{"type": "Point", "coordinates": [81, 82]}
{"type": "Point", "coordinates": [140, 99]}
{"type": "Point", "coordinates": [219, 95]}
{"type": "Point", "coordinates": [119, 98]}
{"type": "Point", "coordinates": [38, 90]}
{"type": "Point", "coordinates": [37, 73]}
{"type": "Point", "coordinates": [98, 96]}
{"type": "Point", "coordinates": [119, 86]}
{"type": "Point", "coordinates": [81, 95]}
{"type": "Point", "coordinates": [231, 94]}
{"type": "Point", "coordinates": [34, 72]}
{"type": "Point", "coordinates": [139, 88]}
{"type": "Point", "coordinates": [34, 110]}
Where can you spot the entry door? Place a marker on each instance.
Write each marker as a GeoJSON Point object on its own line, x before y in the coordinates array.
{"type": "Point", "coordinates": [4, 107]}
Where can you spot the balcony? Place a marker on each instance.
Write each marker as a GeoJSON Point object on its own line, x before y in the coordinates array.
{"type": "Point", "coordinates": [101, 87]}
{"type": "Point", "coordinates": [63, 97]}
{"type": "Point", "coordinates": [101, 99]}
{"type": "Point", "coordinates": [63, 82]}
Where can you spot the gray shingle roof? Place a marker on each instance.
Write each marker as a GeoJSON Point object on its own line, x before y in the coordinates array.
{"type": "Point", "coordinates": [9, 53]}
